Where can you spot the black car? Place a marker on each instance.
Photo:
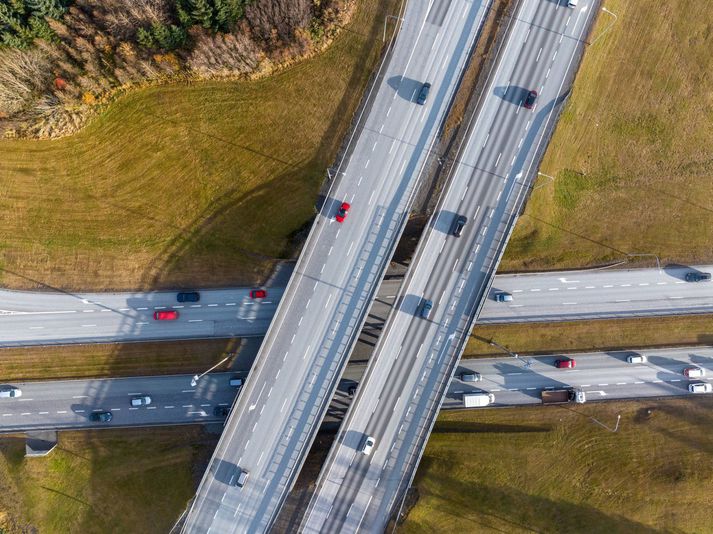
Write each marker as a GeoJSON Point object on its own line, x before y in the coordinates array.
{"type": "Point", "coordinates": [188, 296]}
{"type": "Point", "coordinates": [101, 417]}
{"type": "Point", "coordinates": [423, 93]}
{"type": "Point", "coordinates": [459, 224]}
{"type": "Point", "coordinates": [694, 276]}
{"type": "Point", "coordinates": [530, 99]}
{"type": "Point", "coordinates": [221, 411]}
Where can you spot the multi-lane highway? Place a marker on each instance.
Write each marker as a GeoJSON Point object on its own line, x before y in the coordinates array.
{"type": "Point", "coordinates": [601, 375]}
{"type": "Point", "coordinates": [408, 374]}
{"type": "Point", "coordinates": [319, 318]}
{"type": "Point", "coordinates": [567, 296]}
{"type": "Point", "coordinates": [61, 404]}
{"type": "Point", "coordinates": [37, 318]}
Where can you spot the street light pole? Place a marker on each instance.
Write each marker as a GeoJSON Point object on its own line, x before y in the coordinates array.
{"type": "Point", "coordinates": [552, 178]}
{"type": "Point", "coordinates": [608, 27]}
{"type": "Point", "coordinates": [658, 262]}
{"type": "Point", "coordinates": [196, 378]}
{"type": "Point", "coordinates": [526, 363]}
{"type": "Point", "coordinates": [387, 20]}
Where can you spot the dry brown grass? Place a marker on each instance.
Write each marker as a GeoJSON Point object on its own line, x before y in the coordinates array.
{"type": "Point", "coordinates": [552, 469]}
{"type": "Point", "coordinates": [202, 184]}
{"type": "Point", "coordinates": [113, 360]}
{"type": "Point", "coordinates": [591, 335]}
{"type": "Point", "coordinates": [128, 480]}
{"type": "Point", "coordinates": [632, 151]}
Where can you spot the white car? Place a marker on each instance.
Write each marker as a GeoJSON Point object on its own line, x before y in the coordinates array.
{"type": "Point", "coordinates": [143, 400]}
{"type": "Point", "coordinates": [700, 387]}
{"type": "Point", "coordinates": [368, 444]}
{"type": "Point", "coordinates": [572, 3]}
{"type": "Point", "coordinates": [10, 392]}
{"type": "Point", "coordinates": [636, 358]}
{"type": "Point", "coordinates": [694, 372]}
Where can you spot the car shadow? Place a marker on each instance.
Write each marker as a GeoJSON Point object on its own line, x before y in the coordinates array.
{"type": "Point", "coordinates": [406, 88]}
{"type": "Point", "coordinates": [444, 221]}
{"type": "Point", "coordinates": [513, 94]}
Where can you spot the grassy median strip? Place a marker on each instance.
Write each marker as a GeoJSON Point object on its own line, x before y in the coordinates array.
{"type": "Point", "coordinates": [199, 184]}
{"type": "Point", "coordinates": [631, 155]}
{"type": "Point", "coordinates": [591, 335]}
{"type": "Point", "coordinates": [129, 480]}
{"type": "Point", "coordinates": [553, 469]}
{"type": "Point", "coordinates": [113, 360]}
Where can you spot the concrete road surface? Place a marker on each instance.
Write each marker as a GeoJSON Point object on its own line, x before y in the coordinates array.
{"type": "Point", "coordinates": [63, 404]}
{"type": "Point", "coordinates": [319, 318]}
{"type": "Point", "coordinates": [409, 372]}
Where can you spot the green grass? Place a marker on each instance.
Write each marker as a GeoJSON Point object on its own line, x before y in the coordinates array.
{"type": "Point", "coordinates": [130, 480]}
{"type": "Point", "coordinates": [552, 469]}
{"type": "Point", "coordinates": [631, 153]}
{"type": "Point", "coordinates": [591, 335]}
{"type": "Point", "coordinates": [199, 184]}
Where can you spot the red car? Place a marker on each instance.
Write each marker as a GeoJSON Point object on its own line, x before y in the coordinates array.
{"type": "Point", "coordinates": [258, 294]}
{"type": "Point", "coordinates": [565, 364]}
{"type": "Point", "coordinates": [342, 213]}
{"type": "Point", "coordinates": [168, 315]}
{"type": "Point", "coordinates": [530, 99]}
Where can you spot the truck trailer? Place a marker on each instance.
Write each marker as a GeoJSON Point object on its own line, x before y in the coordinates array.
{"type": "Point", "coordinates": [561, 396]}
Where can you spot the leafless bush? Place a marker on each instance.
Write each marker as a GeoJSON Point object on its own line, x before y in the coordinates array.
{"type": "Point", "coordinates": [274, 22]}
{"type": "Point", "coordinates": [223, 54]}
{"type": "Point", "coordinates": [24, 74]}
{"type": "Point", "coordinates": [122, 18]}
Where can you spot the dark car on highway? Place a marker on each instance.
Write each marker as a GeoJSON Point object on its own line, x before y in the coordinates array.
{"type": "Point", "coordinates": [458, 225]}
{"type": "Point", "coordinates": [694, 276]}
{"type": "Point", "coordinates": [188, 296]}
{"type": "Point", "coordinates": [101, 417]}
{"type": "Point", "coordinates": [530, 99]}
{"type": "Point", "coordinates": [423, 93]}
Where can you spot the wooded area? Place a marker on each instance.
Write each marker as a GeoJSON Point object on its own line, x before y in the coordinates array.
{"type": "Point", "coordinates": [61, 59]}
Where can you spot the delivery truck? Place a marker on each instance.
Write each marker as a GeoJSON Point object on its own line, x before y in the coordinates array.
{"type": "Point", "coordinates": [477, 400]}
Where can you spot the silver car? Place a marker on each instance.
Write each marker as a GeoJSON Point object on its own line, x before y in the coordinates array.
{"type": "Point", "coordinates": [143, 400]}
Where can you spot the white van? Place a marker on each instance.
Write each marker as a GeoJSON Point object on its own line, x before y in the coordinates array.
{"type": "Point", "coordinates": [477, 400]}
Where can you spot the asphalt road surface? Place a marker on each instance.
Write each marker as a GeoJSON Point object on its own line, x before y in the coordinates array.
{"type": "Point", "coordinates": [601, 375]}
{"type": "Point", "coordinates": [407, 377]}
{"type": "Point", "coordinates": [62, 404]}
{"type": "Point", "coordinates": [610, 293]}
{"type": "Point", "coordinates": [38, 318]}
{"type": "Point", "coordinates": [269, 432]}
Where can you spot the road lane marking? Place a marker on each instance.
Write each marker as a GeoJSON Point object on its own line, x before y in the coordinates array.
{"type": "Point", "coordinates": [195, 320]}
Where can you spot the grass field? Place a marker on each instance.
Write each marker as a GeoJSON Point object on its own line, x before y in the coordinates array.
{"type": "Point", "coordinates": [129, 480]}
{"type": "Point", "coordinates": [554, 470]}
{"type": "Point", "coordinates": [112, 360]}
{"type": "Point", "coordinates": [631, 154]}
{"type": "Point", "coordinates": [201, 184]}
{"type": "Point", "coordinates": [591, 335]}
